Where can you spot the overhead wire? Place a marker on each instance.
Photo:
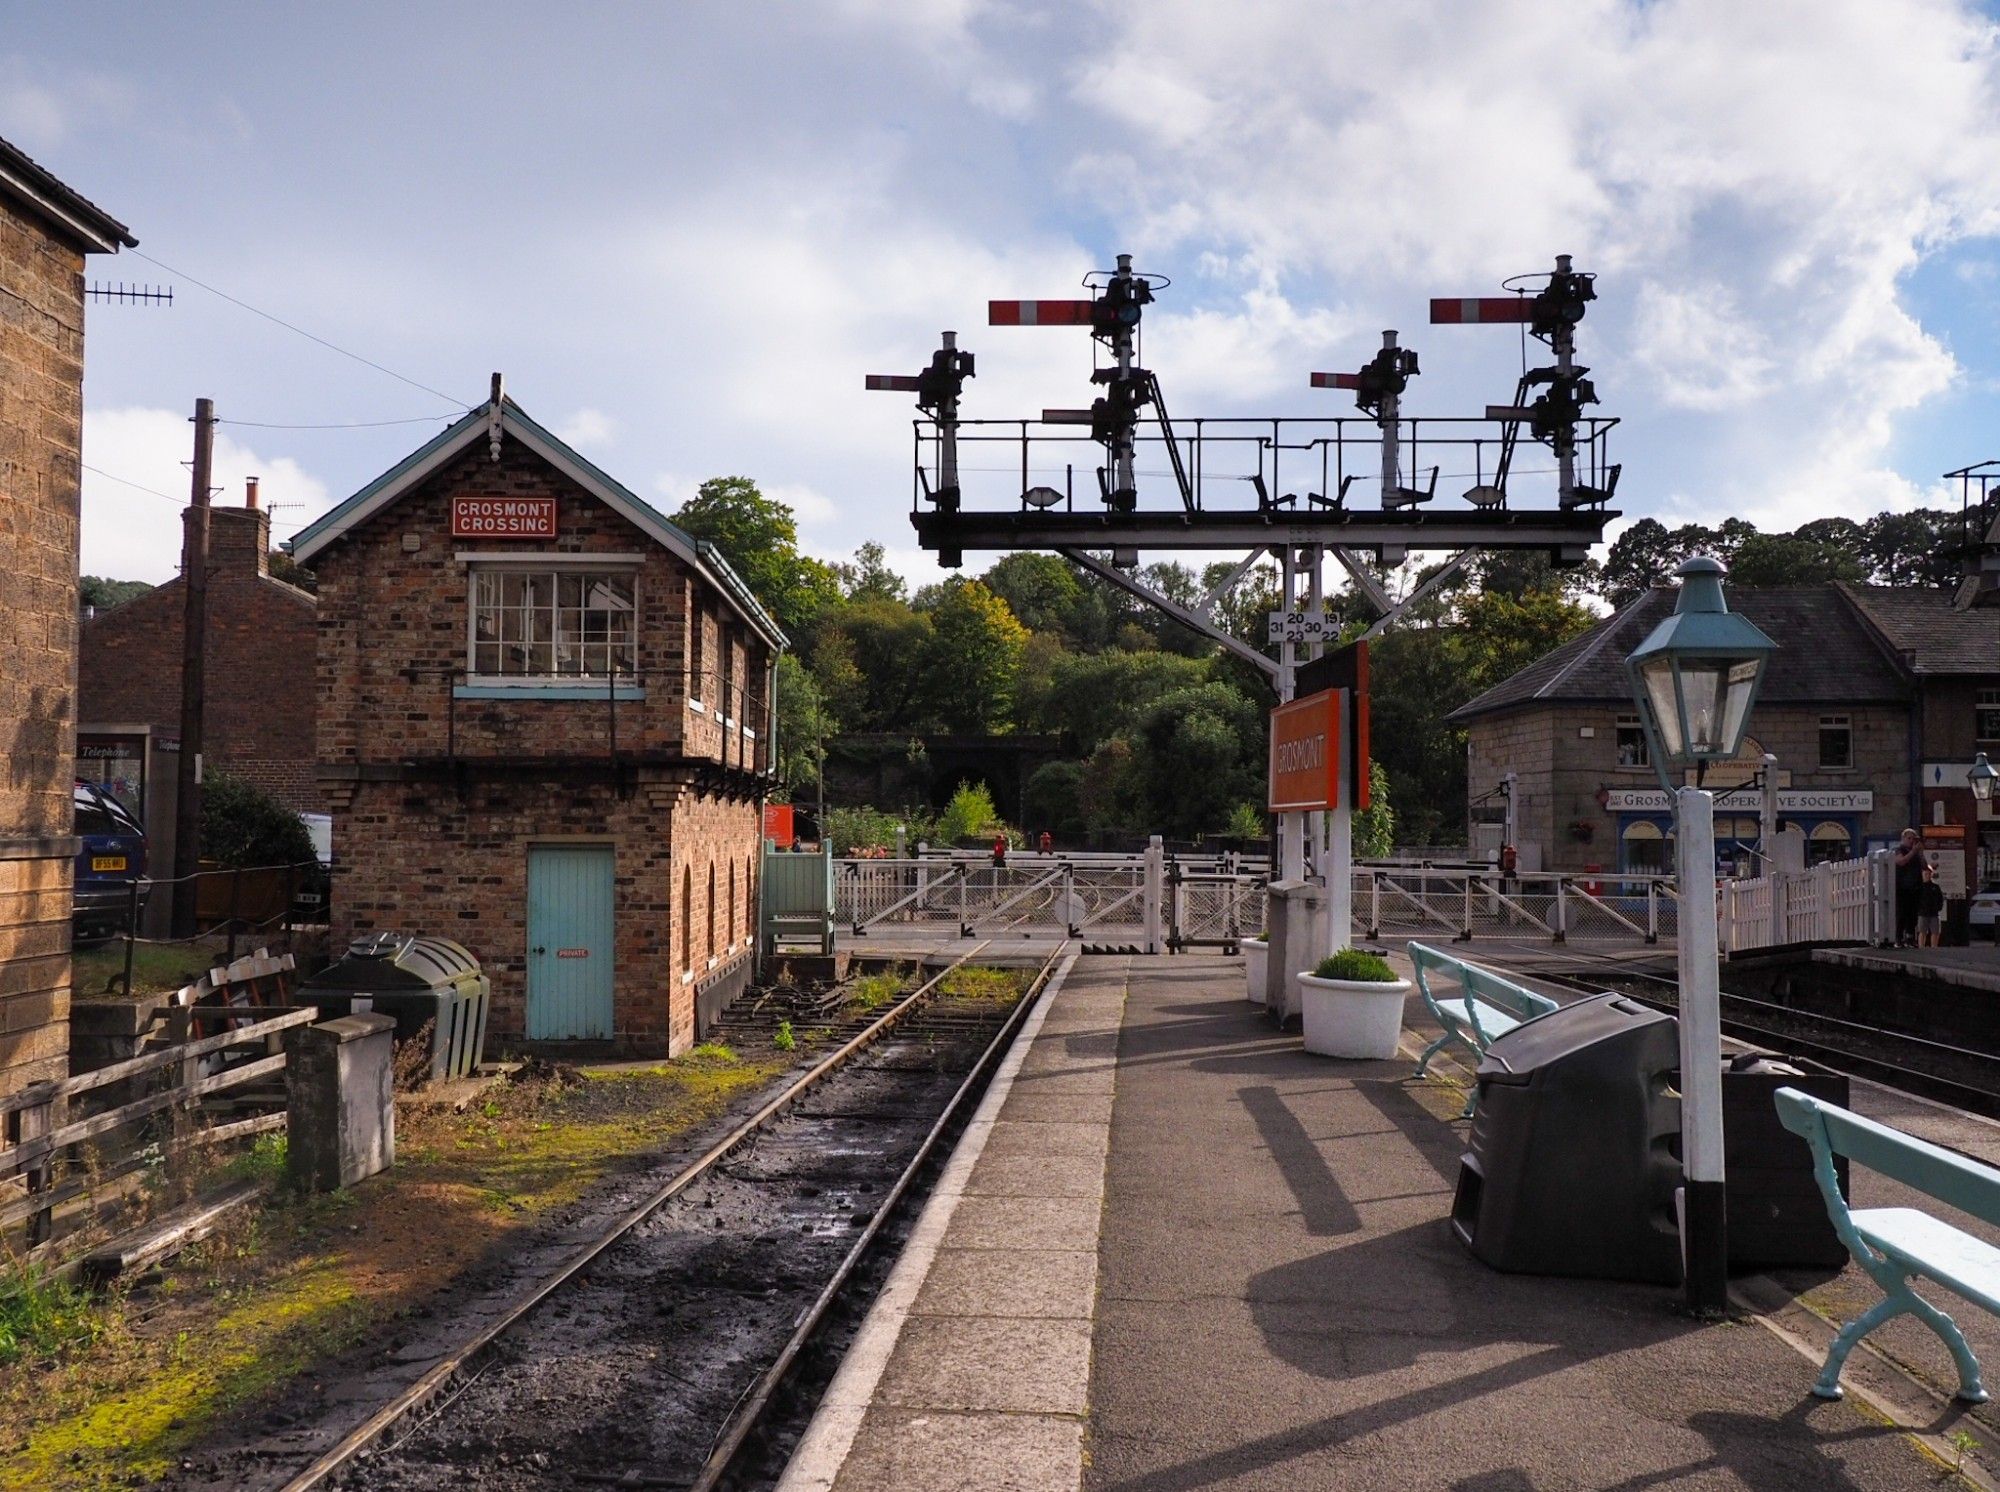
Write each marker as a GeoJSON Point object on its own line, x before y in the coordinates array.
{"type": "Point", "coordinates": [128, 482]}
{"type": "Point", "coordinates": [422, 419]}
{"type": "Point", "coordinates": [301, 331]}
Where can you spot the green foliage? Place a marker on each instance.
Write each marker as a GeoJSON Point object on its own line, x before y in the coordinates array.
{"type": "Point", "coordinates": [1793, 559]}
{"type": "Point", "coordinates": [1199, 753]}
{"type": "Point", "coordinates": [1053, 799]}
{"type": "Point", "coordinates": [44, 1317]}
{"type": "Point", "coordinates": [242, 825]}
{"type": "Point", "coordinates": [970, 663]}
{"type": "Point", "coordinates": [1375, 825]}
{"type": "Point", "coordinates": [971, 814]}
{"type": "Point", "coordinates": [784, 1040]}
{"type": "Point", "coordinates": [264, 1161]}
{"type": "Point", "coordinates": [804, 723]}
{"type": "Point", "coordinates": [760, 538]}
{"type": "Point", "coordinates": [96, 590]}
{"type": "Point", "coordinates": [1356, 964]}
{"type": "Point", "coordinates": [872, 991]}
{"type": "Point", "coordinates": [1247, 821]}
{"type": "Point", "coordinates": [714, 1053]}
{"type": "Point", "coordinates": [868, 577]}
{"type": "Point", "coordinates": [853, 829]}
{"type": "Point", "coordinates": [289, 570]}
{"type": "Point", "coordinates": [1090, 698]}
{"type": "Point", "coordinates": [1924, 547]}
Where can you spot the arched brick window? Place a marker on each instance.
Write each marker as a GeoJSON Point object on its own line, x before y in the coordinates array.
{"type": "Point", "coordinates": [729, 931]}
{"type": "Point", "coordinates": [687, 917]}
{"type": "Point", "coordinates": [711, 909]}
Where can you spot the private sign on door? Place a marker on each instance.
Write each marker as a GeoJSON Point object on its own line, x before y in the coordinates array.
{"type": "Point", "coordinates": [1306, 753]}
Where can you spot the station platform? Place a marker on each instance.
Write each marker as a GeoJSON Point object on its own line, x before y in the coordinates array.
{"type": "Point", "coordinates": [1177, 1252]}
{"type": "Point", "coordinates": [1973, 966]}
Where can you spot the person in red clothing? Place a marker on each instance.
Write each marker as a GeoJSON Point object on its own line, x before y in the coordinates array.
{"type": "Point", "coordinates": [999, 852]}
{"type": "Point", "coordinates": [1048, 841]}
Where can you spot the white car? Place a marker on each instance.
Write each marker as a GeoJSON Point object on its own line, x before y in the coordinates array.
{"type": "Point", "coordinates": [1984, 914]}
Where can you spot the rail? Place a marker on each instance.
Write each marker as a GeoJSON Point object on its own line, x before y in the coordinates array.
{"type": "Point", "coordinates": [465, 1359]}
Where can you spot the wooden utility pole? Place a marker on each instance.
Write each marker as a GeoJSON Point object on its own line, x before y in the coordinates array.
{"type": "Point", "coordinates": [194, 627]}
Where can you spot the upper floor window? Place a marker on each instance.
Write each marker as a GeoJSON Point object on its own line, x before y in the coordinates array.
{"type": "Point", "coordinates": [1836, 741]}
{"type": "Point", "coordinates": [1989, 715]}
{"type": "Point", "coordinates": [553, 623]}
{"type": "Point", "coordinates": [1632, 742]}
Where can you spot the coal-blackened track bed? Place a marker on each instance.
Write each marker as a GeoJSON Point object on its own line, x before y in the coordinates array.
{"type": "Point", "coordinates": [628, 1376]}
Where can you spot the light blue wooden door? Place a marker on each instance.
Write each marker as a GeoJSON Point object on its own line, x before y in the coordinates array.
{"type": "Point", "coordinates": [569, 942]}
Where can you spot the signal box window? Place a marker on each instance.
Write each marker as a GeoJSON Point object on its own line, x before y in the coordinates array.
{"type": "Point", "coordinates": [1836, 741]}
{"type": "Point", "coordinates": [1989, 715]}
{"type": "Point", "coordinates": [1632, 743]}
{"type": "Point", "coordinates": [551, 624]}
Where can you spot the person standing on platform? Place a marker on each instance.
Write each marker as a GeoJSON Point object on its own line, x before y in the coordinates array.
{"type": "Point", "coordinates": [1909, 883]}
{"type": "Point", "coordinates": [999, 852]}
{"type": "Point", "coordinates": [1930, 907]}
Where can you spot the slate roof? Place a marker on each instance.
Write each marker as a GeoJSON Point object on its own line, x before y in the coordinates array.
{"type": "Point", "coordinates": [1931, 633]}
{"type": "Point", "coordinates": [1826, 655]}
{"type": "Point", "coordinates": [39, 189]}
{"type": "Point", "coordinates": [472, 428]}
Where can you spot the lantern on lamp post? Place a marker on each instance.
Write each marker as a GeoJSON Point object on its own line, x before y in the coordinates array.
{"type": "Point", "coordinates": [1982, 777]}
{"type": "Point", "coordinates": [1695, 678]}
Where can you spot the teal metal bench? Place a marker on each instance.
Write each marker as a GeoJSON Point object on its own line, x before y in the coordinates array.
{"type": "Point", "coordinates": [1896, 1244]}
{"type": "Point", "coordinates": [1484, 1008]}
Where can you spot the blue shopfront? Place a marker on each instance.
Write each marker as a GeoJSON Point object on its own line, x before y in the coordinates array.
{"type": "Point", "coordinates": [1831, 819]}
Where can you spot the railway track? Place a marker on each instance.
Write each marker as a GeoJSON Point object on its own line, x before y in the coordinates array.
{"type": "Point", "coordinates": [686, 1345]}
{"type": "Point", "coordinates": [1960, 1076]}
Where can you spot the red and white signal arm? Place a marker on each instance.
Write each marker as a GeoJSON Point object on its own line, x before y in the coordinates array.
{"type": "Point", "coordinates": [503, 517]}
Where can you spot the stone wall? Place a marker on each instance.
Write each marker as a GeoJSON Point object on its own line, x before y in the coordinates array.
{"type": "Point", "coordinates": [41, 435]}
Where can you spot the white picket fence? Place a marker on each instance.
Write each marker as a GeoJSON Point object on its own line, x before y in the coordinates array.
{"type": "Point", "coordinates": [1840, 901]}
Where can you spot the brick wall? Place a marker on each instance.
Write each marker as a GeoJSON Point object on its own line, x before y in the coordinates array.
{"type": "Point", "coordinates": [260, 634]}
{"type": "Point", "coordinates": [437, 801]}
{"type": "Point", "coordinates": [41, 434]}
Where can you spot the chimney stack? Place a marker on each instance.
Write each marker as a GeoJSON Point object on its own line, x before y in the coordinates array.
{"type": "Point", "coordinates": [249, 492]}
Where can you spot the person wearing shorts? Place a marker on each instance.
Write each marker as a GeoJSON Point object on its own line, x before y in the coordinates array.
{"type": "Point", "coordinates": [1930, 908]}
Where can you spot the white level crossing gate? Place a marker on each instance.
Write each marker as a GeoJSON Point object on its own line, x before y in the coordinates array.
{"type": "Point", "coordinates": [1111, 898]}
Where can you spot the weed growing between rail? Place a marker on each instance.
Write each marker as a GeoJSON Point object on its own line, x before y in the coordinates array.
{"type": "Point", "coordinates": [873, 991]}
{"type": "Point", "coordinates": [116, 1392]}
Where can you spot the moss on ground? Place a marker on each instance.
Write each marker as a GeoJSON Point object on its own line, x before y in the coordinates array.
{"type": "Point", "coordinates": [284, 1288]}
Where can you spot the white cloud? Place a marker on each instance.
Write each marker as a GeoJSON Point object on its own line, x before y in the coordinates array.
{"type": "Point", "coordinates": [587, 429]}
{"type": "Point", "coordinates": [130, 534]}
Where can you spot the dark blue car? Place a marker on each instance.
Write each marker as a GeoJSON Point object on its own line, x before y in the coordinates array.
{"type": "Point", "coordinates": [111, 862]}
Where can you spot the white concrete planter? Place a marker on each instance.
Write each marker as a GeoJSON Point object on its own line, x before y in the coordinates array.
{"type": "Point", "coordinates": [1351, 1017]}
{"type": "Point", "coordinates": [1256, 956]}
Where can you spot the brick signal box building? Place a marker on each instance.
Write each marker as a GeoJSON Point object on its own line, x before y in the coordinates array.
{"type": "Point", "coordinates": [544, 729]}
{"type": "Point", "coordinates": [46, 230]}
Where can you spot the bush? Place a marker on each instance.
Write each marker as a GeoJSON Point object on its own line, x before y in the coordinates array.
{"type": "Point", "coordinates": [244, 826]}
{"type": "Point", "coordinates": [1352, 963]}
{"type": "Point", "coordinates": [971, 814]}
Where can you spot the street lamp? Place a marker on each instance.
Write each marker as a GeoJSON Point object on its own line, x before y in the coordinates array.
{"type": "Point", "coordinates": [1695, 678]}
{"type": "Point", "coordinates": [1982, 777]}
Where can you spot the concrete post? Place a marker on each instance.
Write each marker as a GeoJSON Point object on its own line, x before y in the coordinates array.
{"type": "Point", "coordinates": [340, 1107]}
{"type": "Point", "coordinates": [1156, 883]}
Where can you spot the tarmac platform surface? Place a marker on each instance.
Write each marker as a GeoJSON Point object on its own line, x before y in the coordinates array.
{"type": "Point", "coordinates": [1177, 1252]}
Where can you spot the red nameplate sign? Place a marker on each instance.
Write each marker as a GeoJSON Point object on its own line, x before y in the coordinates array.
{"type": "Point", "coordinates": [503, 517]}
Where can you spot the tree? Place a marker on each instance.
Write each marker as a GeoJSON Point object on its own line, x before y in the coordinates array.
{"type": "Point", "coordinates": [1200, 753]}
{"type": "Point", "coordinates": [1041, 590]}
{"type": "Point", "coordinates": [760, 538]}
{"type": "Point", "coordinates": [244, 826]}
{"type": "Point", "coordinates": [95, 590]}
{"type": "Point", "coordinates": [1091, 697]}
{"type": "Point", "coordinates": [1921, 547]}
{"type": "Point", "coordinates": [968, 669]}
{"type": "Point", "coordinates": [1053, 799]}
{"type": "Point", "coordinates": [889, 642]}
{"type": "Point", "coordinates": [1375, 825]}
{"type": "Point", "coordinates": [1794, 559]}
{"type": "Point", "coordinates": [869, 577]}
{"type": "Point", "coordinates": [804, 723]}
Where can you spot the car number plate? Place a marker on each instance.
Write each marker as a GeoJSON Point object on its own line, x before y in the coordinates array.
{"type": "Point", "coordinates": [107, 862]}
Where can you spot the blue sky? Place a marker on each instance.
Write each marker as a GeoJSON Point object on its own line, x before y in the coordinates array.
{"type": "Point", "coordinates": [686, 232]}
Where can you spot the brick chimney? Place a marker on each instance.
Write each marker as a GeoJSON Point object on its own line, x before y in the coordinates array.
{"type": "Point", "coordinates": [239, 539]}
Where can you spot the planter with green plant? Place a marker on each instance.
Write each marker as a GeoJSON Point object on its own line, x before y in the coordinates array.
{"type": "Point", "coordinates": [1352, 1005]}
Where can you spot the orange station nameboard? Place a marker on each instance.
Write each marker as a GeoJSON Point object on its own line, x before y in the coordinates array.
{"type": "Point", "coordinates": [1306, 741]}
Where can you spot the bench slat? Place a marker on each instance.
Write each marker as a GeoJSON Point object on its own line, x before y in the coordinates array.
{"type": "Point", "coordinates": [1951, 1256]}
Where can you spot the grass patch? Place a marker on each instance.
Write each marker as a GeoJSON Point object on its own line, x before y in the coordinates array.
{"type": "Point", "coordinates": [784, 1041]}
{"type": "Point", "coordinates": [156, 968]}
{"type": "Point", "coordinates": [872, 991]}
{"type": "Point", "coordinates": [712, 1051]}
{"type": "Point", "coordinates": [264, 1161]}
{"type": "Point", "coordinates": [42, 1318]}
{"type": "Point", "coordinates": [113, 1394]}
{"type": "Point", "coordinates": [976, 982]}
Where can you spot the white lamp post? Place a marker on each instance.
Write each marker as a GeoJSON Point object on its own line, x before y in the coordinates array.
{"type": "Point", "coordinates": [1695, 678]}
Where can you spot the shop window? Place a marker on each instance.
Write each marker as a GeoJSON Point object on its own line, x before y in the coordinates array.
{"type": "Point", "coordinates": [1647, 850]}
{"type": "Point", "coordinates": [1836, 741]}
{"type": "Point", "coordinates": [551, 624]}
{"type": "Point", "coordinates": [1829, 841]}
{"type": "Point", "coordinates": [1988, 717]}
{"type": "Point", "coordinates": [1632, 743]}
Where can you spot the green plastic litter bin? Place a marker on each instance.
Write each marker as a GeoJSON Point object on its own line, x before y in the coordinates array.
{"type": "Point", "coordinates": [415, 980]}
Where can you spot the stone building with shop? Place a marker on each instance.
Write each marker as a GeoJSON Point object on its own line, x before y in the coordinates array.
{"type": "Point", "coordinates": [1950, 650]}
{"type": "Point", "coordinates": [258, 720]}
{"type": "Point", "coordinates": [46, 233]}
{"type": "Point", "coordinates": [1562, 738]}
{"type": "Point", "coordinates": [544, 729]}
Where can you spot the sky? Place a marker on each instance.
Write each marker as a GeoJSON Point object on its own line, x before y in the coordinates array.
{"type": "Point", "coordinates": [685, 232]}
